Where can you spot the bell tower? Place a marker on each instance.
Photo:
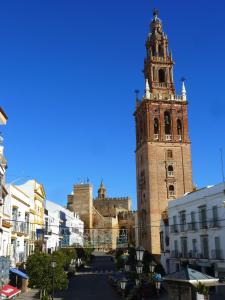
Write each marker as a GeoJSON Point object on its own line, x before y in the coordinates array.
{"type": "Point", "coordinates": [163, 156]}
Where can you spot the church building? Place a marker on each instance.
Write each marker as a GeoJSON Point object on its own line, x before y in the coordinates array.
{"type": "Point", "coordinates": [109, 222]}
{"type": "Point", "coordinates": [163, 156]}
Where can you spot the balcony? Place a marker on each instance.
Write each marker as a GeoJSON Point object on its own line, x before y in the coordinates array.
{"type": "Point", "coordinates": [183, 227]}
{"type": "Point", "coordinates": [19, 227]}
{"type": "Point", "coordinates": [168, 137]}
{"type": "Point", "coordinates": [204, 255]}
{"type": "Point", "coordinates": [217, 254]}
{"type": "Point", "coordinates": [171, 193]}
{"type": "Point", "coordinates": [156, 137]}
{"type": "Point", "coordinates": [214, 223]}
{"type": "Point", "coordinates": [174, 228]}
{"type": "Point", "coordinates": [174, 254]}
{"type": "Point", "coordinates": [192, 226]}
{"type": "Point", "coordinates": [193, 254]}
{"type": "Point", "coordinates": [170, 173]}
{"type": "Point", "coordinates": [203, 224]}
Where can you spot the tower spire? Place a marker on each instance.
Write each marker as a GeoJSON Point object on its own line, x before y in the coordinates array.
{"type": "Point", "coordinates": [183, 90]}
{"type": "Point", "coordinates": [158, 66]}
{"type": "Point", "coordinates": [147, 89]}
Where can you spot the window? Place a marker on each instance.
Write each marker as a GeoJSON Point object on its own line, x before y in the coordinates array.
{"type": "Point", "coordinates": [205, 246]}
{"type": "Point", "coordinates": [184, 249]}
{"type": "Point", "coordinates": [167, 122]}
{"type": "Point", "coordinates": [215, 216]}
{"type": "Point", "coordinates": [170, 171]}
{"type": "Point", "coordinates": [176, 248]}
{"type": "Point", "coordinates": [171, 190]}
{"type": "Point", "coordinates": [182, 221]}
{"type": "Point", "coordinates": [174, 226]}
{"type": "Point", "coordinates": [193, 252]}
{"type": "Point", "coordinates": [169, 154]}
{"type": "Point", "coordinates": [179, 127]}
{"type": "Point", "coordinates": [162, 77]}
{"type": "Point", "coordinates": [192, 224]}
{"type": "Point", "coordinates": [202, 217]}
{"type": "Point", "coordinates": [161, 241]}
{"type": "Point", "coordinates": [217, 253]}
{"type": "Point", "coordinates": [156, 126]}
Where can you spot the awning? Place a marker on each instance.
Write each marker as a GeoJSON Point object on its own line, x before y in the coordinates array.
{"type": "Point", "coordinates": [19, 273]}
{"type": "Point", "coordinates": [9, 291]}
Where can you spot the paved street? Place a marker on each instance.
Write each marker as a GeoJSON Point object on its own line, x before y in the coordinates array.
{"type": "Point", "coordinates": [92, 282]}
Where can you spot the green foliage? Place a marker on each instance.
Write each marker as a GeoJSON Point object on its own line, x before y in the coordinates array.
{"type": "Point", "coordinates": [119, 252]}
{"type": "Point", "coordinates": [84, 253]}
{"type": "Point", "coordinates": [64, 256]}
{"type": "Point", "coordinates": [39, 269]}
{"type": "Point", "coordinates": [119, 263]}
{"type": "Point", "coordinates": [202, 289]}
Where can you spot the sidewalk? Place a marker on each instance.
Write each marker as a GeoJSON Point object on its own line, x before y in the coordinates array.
{"type": "Point", "coordinates": [32, 294]}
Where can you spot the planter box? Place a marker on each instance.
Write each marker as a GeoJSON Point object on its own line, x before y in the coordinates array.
{"type": "Point", "coordinates": [202, 297]}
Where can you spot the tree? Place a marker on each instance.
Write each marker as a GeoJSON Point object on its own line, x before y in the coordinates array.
{"type": "Point", "coordinates": [39, 270]}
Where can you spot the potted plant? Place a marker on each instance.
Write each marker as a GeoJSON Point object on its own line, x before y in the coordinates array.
{"type": "Point", "coordinates": [202, 291]}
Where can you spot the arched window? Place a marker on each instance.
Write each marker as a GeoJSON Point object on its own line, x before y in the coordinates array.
{"type": "Point", "coordinates": [170, 171]}
{"type": "Point", "coordinates": [171, 190]}
{"type": "Point", "coordinates": [179, 127]}
{"type": "Point", "coordinates": [153, 51]}
{"type": "Point", "coordinates": [160, 50]}
{"type": "Point", "coordinates": [167, 122]}
{"type": "Point", "coordinates": [156, 126]}
{"type": "Point", "coordinates": [170, 168]}
{"type": "Point", "coordinates": [162, 75]}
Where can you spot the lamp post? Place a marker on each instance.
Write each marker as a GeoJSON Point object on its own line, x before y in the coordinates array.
{"type": "Point", "coordinates": [140, 253]}
{"type": "Point", "coordinates": [158, 284]}
{"type": "Point", "coordinates": [127, 267]}
{"type": "Point", "coordinates": [53, 265]}
{"type": "Point", "coordinates": [123, 283]}
{"type": "Point", "coordinates": [152, 266]}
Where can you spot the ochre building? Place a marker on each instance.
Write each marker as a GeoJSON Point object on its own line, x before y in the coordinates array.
{"type": "Point", "coordinates": [163, 156]}
{"type": "Point", "coordinates": [109, 222]}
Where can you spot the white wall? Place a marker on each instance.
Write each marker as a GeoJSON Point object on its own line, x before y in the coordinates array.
{"type": "Point", "coordinates": [211, 196]}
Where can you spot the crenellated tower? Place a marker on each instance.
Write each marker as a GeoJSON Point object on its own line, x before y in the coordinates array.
{"type": "Point", "coordinates": [163, 157]}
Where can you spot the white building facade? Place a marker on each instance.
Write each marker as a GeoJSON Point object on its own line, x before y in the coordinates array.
{"type": "Point", "coordinates": [19, 203]}
{"type": "Point", "coordinates": [65, 227]}
{"type": "Point", "coordinates": [196, 232]}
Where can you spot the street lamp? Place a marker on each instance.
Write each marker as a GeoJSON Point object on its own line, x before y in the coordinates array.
{"type": "Point", "coordinates": [139, 268]}
{"type": "Point", "coordinates": [140, 253]}
{"type": "Point", "coordinates": [137, 282]}
{"type": "Point", "coordinates": [123, 283]}
{"type": "Point", "coordinates": [152, 266]}
{"type": "Point", "coordinates": [53, 265]}
{"type": "Point", "coordinates": [158, 284]}
{"type": "Point", "coordinates": [127, 267]}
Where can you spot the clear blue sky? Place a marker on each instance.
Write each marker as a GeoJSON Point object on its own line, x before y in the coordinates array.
{"type": "Point", "coordinates": [68, 70]}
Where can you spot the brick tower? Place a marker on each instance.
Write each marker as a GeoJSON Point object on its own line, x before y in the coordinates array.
{"type": "Point", "coordinates": [163, 157]}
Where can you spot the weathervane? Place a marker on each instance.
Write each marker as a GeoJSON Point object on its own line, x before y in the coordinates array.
{"type": "Point", "coordinates": [155, 13]}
